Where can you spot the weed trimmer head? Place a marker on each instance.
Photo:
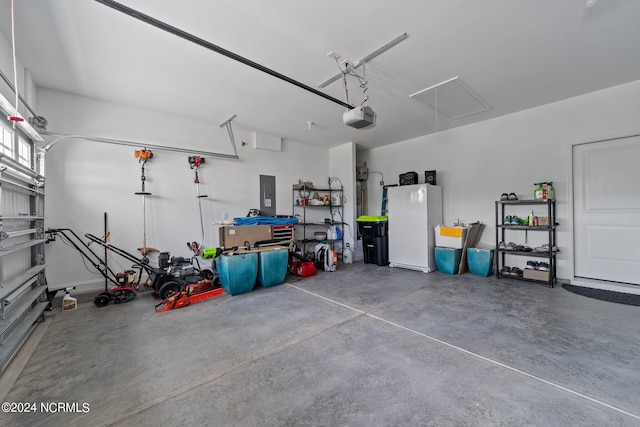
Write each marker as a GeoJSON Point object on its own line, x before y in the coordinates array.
{"type": "Point", "coordinates": [143, 155]}
{"type": "Point", "coordinates": [195, 161]}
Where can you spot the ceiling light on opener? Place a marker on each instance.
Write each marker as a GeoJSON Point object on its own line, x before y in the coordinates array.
{"type": "Point", "coordinates": [364, 60]}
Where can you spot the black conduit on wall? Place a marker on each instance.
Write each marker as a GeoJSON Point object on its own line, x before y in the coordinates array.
{"type": "Point", "coordinates": [207, 45]}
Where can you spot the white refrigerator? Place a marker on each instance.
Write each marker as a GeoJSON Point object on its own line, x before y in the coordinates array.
{"type": "Point", "coordinates": [413, 211]}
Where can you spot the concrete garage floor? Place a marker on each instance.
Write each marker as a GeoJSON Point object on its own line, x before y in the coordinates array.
{"type": "Point", "coordinates": [363, 346]}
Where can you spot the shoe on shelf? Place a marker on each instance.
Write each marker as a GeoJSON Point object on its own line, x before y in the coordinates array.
{"type": "Point", "coordinates": [502, 246]}
{"type": "Point", "coordinates": [512, 196]}
{"type": "Point", "coordinates": [534, 265]}
{"type": "Point", "coordinates": [516, 220]}
{"type": "Point", "coordinates": [510, 246]}
{"type": "Point", "coordinates": [505, 271]}
{"type": "Point", "coordinates": [507, 220]}
{"type": "Point", "coordinates": [515, 271]}
{"type": "Point", "coordinates": [545, 248]}
{"type": "Point", "coordinates": [503, 197]}
{"type": "Point", "coordinates": [543, 266]}
{"type": "Point", "coordinates": [526, 249]}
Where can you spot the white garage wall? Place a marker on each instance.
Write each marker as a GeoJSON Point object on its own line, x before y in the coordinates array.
{"type": "Point", "coordinates": [86, 179]}
{"type": "Point", "coordinates": [476, 163]}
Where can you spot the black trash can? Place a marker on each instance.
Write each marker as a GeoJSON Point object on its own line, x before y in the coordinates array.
{"type": "Point", "coordinates": [375, 240]}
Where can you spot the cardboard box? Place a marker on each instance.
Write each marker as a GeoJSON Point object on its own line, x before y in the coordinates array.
{"type": "Point", "coordinates": [529, 273]}
{"type": "Point", "coordinates": [232, 235]}
{"type": "Point", "coordinates": [473, 237]}
{"type": "Point", "coordinates": [543, 220]}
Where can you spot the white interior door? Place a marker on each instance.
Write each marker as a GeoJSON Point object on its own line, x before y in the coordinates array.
{"type": "Point", "coordinates": [606, 180]}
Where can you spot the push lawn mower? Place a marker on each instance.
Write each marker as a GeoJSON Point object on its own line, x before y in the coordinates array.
{"type": "Point", "coordinates": [208, 288]}
{"type": "Point", "coordinates": [125, 283]}
{"type": "Point", "coordinates": [180, 274]}
{"type": "Point", "coordinates": [171, 277]}
{"type": "Point", "coordinates": [172, 274]}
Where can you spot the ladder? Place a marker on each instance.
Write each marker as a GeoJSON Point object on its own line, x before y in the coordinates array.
{"type": "Point", "coordinates": [383, 208]}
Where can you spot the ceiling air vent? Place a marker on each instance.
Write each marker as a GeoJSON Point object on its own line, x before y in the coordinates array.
{"type": "Point", "coordinates": [451, 98]}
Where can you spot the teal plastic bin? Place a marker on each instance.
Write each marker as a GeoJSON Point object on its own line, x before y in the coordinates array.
{"type": "Point", "coordinates": [480, 261]}
{"type": "Point", "coordinates": [448, 259]}
{"type": "Point", "coordinates": [272, 267]}
{"type": "Point", "coordinates": [237, 273]}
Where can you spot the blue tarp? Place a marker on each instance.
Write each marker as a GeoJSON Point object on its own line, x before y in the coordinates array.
{"type": "Point", "coordinates": [264, 220]}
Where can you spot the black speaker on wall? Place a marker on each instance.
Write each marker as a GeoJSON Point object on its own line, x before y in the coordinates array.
{"type": "Point", "coordinates": [408, 178]}
{"type": "Point", "coordinates": [430, 177]}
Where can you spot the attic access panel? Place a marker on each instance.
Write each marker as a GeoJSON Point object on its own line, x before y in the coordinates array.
{"type": "Point", "coordinates": [451, 98]}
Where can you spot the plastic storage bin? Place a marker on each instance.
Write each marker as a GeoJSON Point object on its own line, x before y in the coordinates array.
{"type": "Point", "coordinates": [480, 261]}
{"type": "Point", "coordinates": [448, 259]}
{"type": "Point", "coordinates": [272, 267]}
{"type": "Point", "coordinates": [237, 273]}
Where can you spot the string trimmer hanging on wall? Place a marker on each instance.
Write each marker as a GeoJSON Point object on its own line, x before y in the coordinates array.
{"type": "Point", "coordinates": [143, 156]}
{"type": "Point", "coordinates": [194, 163]}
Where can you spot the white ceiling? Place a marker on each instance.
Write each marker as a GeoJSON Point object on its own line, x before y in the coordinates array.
{"type": "Point", "coordinates": [514, 55]}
